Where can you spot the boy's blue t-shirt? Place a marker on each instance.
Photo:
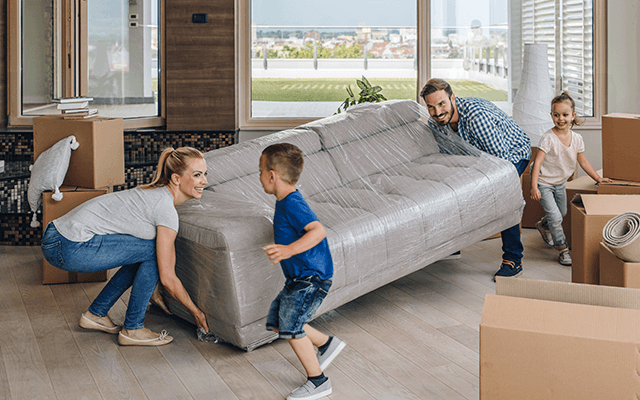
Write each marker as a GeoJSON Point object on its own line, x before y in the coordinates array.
{"type": "Point", "coordinates": [291, 216]}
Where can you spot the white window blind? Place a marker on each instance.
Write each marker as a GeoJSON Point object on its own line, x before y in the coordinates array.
{"type": "Point", "coordinates": [566, 27]}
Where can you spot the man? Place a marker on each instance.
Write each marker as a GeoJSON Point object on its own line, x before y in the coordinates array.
{"type": "Point", "coordinates": [486, 127]}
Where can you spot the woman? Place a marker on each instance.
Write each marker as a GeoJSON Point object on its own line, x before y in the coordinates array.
{"type": "Point", "coordinates": [135, 229]}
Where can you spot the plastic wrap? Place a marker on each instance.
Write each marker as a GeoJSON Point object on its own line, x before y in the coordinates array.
{"type": "Point", "coordinates": [392, 195]}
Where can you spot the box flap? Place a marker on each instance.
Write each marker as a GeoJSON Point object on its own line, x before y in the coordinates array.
{"type": "Point", "coordinates": [621, 115]}
{"type": "Point", "coordinates": [578, 293]}
{"type": "Point", "coordinates": [610, 204]}
{"type": "Point", "coordinates": [561, 318]}
{"type": "Point", "coordinates": [620, 183]}
{"type": "Point", "coordinates": [584, 183]}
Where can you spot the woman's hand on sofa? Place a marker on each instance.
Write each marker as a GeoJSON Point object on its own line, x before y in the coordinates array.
{"type": "Point", "coordinates": [201, 320]}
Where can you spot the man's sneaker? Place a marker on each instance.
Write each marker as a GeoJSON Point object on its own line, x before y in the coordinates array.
{"type": "Point", "coordinates": [508, 269]}
{"type": "Point", "coordinates": [309, 391]}
{"type": "Point", "coordinates": [453, 256]}
{"type": "Point", "coordinates": [564, 257]}
{"type": "Point", "coordinates": [335, 347]}
{"type": "Point", "coordinates": [546, 235]}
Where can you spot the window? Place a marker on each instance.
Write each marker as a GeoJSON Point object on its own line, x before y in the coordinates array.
{"type": "Point", "coordinates": [470, 47]}
{"type": "Point", "coordinates": [574, 33]}
{"type": "Point", "coordinates": [298, 57]}
{"type": "Point", "coordinates": [476, 41]}
{"type": "Point", "coordinates": [107, 50]}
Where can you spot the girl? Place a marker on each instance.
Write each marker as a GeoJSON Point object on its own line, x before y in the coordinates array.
{"type": "Point", "coordinates": [559, 150]}
{"type": "Point", "coordinates": [135, 229]}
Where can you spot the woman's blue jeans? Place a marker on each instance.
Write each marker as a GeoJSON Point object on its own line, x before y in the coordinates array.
{"type": "Point", "coordinates": [512, 247]}
{"type": "Point", "coordinates": [136, 256]}
{"type": "Point", "coordinates": [554, 202]}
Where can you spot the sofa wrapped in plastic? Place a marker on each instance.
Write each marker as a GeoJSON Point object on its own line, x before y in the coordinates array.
{"type": "Point", "coordinates": [392, 195]}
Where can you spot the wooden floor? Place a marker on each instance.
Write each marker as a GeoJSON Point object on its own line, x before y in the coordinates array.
{"type": "Point", "coordinates": [416, 338]}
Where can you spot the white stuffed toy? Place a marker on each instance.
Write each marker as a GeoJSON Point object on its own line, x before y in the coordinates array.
{"type": "Point", "coordinates": [48, 173]}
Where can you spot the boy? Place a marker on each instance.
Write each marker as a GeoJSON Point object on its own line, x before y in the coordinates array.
{"type": "Point", "coordinates": [302, 250]}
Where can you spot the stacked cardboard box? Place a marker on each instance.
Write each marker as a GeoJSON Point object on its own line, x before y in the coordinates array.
{"type": "Point", "coordinates": [589, 215]}
{"type": "Point", "coordinates": [94, 168]}
{"type": "Point", "coordinates": [558, 341]}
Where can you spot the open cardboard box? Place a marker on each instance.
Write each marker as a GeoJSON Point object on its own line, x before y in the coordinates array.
{"type": "Point", "coordinates": [617, 272]}
{"type": "Point", "coordinates": [589, 214]}
{"type": "Point", "coordinates": [559, 341]}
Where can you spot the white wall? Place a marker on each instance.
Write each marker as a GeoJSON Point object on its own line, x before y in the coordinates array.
{"type": "Point", "coordinates": [623, 64]}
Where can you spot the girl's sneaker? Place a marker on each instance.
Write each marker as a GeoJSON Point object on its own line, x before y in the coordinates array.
{"type": "Point", "coordinates": [564, 257]}
{"type": "Point", "coordinates": [546, 235]}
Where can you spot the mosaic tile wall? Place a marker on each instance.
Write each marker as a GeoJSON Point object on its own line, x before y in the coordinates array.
{"type": "Point", "coordinates": [141, 154]}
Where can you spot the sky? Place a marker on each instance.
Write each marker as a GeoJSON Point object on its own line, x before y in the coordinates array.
{"type": "Point", "coordinates": [374, 12]}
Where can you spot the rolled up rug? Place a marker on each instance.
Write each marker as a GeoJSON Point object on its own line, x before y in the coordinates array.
{"type": "Point", "coordinates": [621, 234]}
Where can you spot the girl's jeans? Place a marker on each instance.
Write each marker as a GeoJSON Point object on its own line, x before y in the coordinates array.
{"type": "Point", "coordinates": [136, 256]}
{"type": "Point", "coordinates": [554, 202]}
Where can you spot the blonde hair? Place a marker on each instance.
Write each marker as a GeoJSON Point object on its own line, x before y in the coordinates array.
{"type": "Point", "coordinates": [286, 159]}
{"type": "Point", "coordinates": [172, 161]}
{"type": "Point", "coordinates": [565, 98]}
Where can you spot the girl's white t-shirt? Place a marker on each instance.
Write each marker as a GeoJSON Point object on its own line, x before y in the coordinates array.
{"type": "Point", "coordinates": [560, 160]}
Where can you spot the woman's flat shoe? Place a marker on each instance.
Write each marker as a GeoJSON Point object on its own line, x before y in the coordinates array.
{"type": "Point", "coordinates": [86, 323]}
{"type": "Point", "coordinates": [162, 338]}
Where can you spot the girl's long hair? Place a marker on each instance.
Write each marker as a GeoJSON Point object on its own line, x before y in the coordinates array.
{"type": "Point", "coordinates": [564, 97]}
{"type": "Point", "coordinates": [172, 161]}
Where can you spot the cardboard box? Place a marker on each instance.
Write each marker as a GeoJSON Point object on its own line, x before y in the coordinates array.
{"type": "Point", "coordinates": [620, 144]}
{"type": "Point", "coordinates": [619, 187]}
{"type": "Point", "coordinates": [589, 214]}
{"type": "Point", "coordinates": [98, 161]}
{"type": "Point", "coordinates": [582, 185]}
{"type": "Point", "coordinates": [51, 209]}
{"type": "Point", "coordinates": [559, 341]}
{"type": "Point", "coordinates": [617, 272]}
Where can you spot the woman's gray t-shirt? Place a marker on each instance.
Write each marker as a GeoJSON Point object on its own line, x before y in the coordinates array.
{"type": "Point", "coordinates": [136, 212]}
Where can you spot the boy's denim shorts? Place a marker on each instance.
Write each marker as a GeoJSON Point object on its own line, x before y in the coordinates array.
{"type": "Point", "coordinates": [296, 305]}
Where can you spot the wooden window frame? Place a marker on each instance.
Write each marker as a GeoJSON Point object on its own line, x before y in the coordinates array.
{"type": "Point", "coordinates": [74, 81]}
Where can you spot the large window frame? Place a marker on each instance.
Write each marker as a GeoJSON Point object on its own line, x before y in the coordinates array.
{"type": "Point", "coordinates": [243, 71]}
{"type": "Point", "coordinates": [71, 29]}
{"type": "Point", "coordinates": [599, 42]}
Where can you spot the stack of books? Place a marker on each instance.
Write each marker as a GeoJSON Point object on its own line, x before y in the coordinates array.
{"type": "Point", "coordinates": [76, 107]}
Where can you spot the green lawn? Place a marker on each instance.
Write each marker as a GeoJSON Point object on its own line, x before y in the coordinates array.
{"type": "Point", "coordinates": [275, 89]}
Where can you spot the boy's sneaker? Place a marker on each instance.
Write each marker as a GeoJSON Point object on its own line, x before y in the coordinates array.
{"type": "Point", "coordinates": [546, 235]}
{"type": "Point", "coordinates": [309, 391]}
{"type": "Point", "coordinates": [564, 257]}
{"type": "Point", "coordinates": [508, 269]}
{"type": "Point", "coordinates": [335, 347]}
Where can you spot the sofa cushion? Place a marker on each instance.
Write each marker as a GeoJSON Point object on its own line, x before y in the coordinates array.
{"type": "Point", "coordinates": [364, 120]}
{"type": "Point", "coordinates": [242, 159]}
{"type": "Point", "coordinates": [394, 219]}
{"type": "Point", "coordinates": [380, 151]}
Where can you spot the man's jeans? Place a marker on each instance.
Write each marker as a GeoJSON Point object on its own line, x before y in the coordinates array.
{"type": "Point", "coordinates": [554, 201]}
{"type": "Point", "coordinates": [136, 256]}
{"type": "Point", "coordinates": [511, 243]}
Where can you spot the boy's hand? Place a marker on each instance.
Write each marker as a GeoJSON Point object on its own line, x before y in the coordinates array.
{"type": "Point", "coordinates": [607, 180]}
{"type": "Point", "coordinates": [535, 193]}
{"type": "Point", "coordinates": [278, 252]}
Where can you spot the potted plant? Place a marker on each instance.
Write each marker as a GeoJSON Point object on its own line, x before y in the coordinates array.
{"type": "Point", "coordinates": [368, 94]}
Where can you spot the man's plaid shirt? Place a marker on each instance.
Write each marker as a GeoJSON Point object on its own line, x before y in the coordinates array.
{"type": "Point", "coordinates": [489, 129]}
